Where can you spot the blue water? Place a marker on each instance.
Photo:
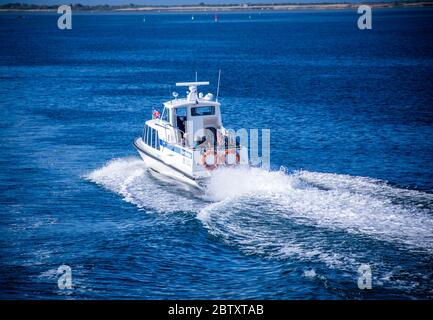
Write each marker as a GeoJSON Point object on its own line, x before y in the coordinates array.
{"type": "Point", "coordinates": [351, 119]}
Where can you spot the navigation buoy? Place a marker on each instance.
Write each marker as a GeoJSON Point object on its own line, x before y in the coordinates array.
{"type": "Point", "coordinates": [192, 18]}
{"type": "Point", "coordinates": [216, 18]}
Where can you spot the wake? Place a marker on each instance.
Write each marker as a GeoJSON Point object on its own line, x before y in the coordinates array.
{"type": "Point", "coordinates": [261, 211]}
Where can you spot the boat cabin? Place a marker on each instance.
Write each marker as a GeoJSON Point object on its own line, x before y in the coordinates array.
{"type": "Point", "coordinates": [191, 116]}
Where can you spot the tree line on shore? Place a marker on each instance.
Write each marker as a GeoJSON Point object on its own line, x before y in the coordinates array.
{"type": "Point", "coordinates": [105, 7]}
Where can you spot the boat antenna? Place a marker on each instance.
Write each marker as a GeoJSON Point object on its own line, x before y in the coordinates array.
{"type": "Point", "coordinates": [218, 87]}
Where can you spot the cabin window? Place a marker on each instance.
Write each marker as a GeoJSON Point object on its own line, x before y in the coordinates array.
{"type": "Point", "coordinates": [181, 112]}
{"type": "Point", "coordinates": [203, 111]}
{"type": "Point", "coordinates": [165, 115]}
{"type": "Point", "coordinates": [144, 133]}
{"type": "Point", "coordinates": [151, 137]}
{"type": "Point", "coordinates": [181, 115]}
{"type": "Point", "coordinates": [148, 130]}
{"type": "Point", "coordinates": [154, 138]}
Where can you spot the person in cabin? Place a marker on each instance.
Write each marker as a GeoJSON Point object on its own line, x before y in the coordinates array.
{"type": "Point", "coordinates": [185, 139]}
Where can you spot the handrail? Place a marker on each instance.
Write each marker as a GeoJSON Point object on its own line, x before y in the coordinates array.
{"type": "Point", "coordinates": [177, 130]}
{"type": "Point", "coordinates": [219, 147]}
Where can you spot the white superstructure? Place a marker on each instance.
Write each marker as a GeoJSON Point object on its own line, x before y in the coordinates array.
{"type": "Point", "coordinates": [188, 141]}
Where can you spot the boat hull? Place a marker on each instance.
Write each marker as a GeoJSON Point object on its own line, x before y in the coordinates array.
{"type": "Point", "coordinates": [165, 169]}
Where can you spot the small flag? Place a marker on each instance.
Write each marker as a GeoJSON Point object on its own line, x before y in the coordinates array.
{"type": "Point", "coordinates": [156, 114]}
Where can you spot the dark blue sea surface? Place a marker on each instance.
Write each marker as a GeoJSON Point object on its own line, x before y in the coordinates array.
{"type": "Point", "coordinates": [351, 119]}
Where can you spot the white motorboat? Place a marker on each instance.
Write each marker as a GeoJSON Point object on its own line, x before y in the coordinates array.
{"type": "Point", "coordinates": [187, 141]}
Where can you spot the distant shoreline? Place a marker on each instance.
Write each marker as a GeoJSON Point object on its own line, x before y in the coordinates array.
{"type": "Point", "coordinates": [14, 7]}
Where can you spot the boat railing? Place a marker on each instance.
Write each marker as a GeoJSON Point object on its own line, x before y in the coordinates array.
{"type": "Point", "coordinates": [178, 135]}
{"type": "Point", "coordinates": [179, 140]}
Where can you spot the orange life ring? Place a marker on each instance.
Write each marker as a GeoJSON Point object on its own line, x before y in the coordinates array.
{"type": "Point", "coordinates": [233, 151]}
{"type": "Point", "coordinates": [221, 159]}
{"type": "Point", "coordinates": [203, 162]}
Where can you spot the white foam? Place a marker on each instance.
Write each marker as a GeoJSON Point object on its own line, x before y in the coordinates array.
{"type": "Point", "coordinates": [365, 185]}
{"type": "Point", "coordinates": [309, 273]}
{"type": "Point", "coordinates": [257, 226]}
{"type": "Point", "coordinates": [118, 174]}
{"type": "Point", "coordinates": [355, 205]}
{"type": "Point", "coordinates": [129, 178]}
{"type": "Point", "coordinates": [234, 183]}
{"type": "Point", "coordinates": [251, 207]}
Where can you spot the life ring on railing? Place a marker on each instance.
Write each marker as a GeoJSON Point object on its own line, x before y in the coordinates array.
{"type": "Point", "coordinates": [221, 159]}
{"type": "Point", "coordinates": [232, 152]}
{"type": "Point", "coordinates": [203, 162]}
